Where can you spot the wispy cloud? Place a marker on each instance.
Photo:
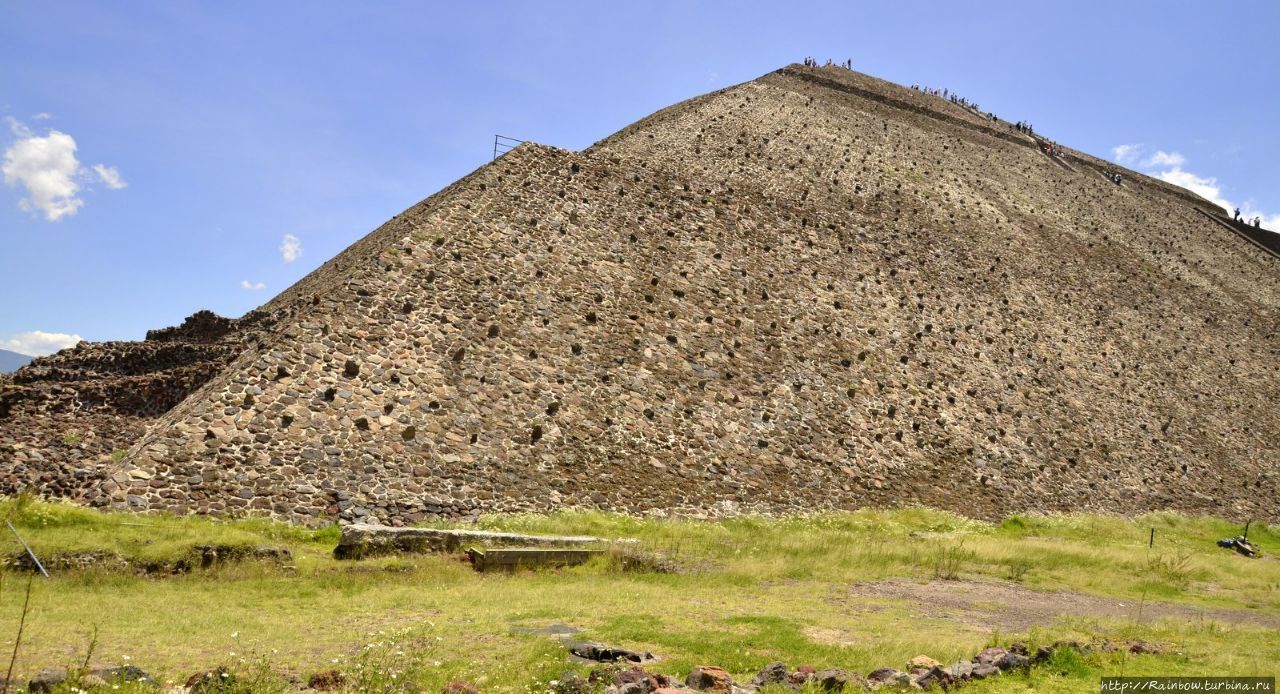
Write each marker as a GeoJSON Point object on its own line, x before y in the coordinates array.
{"type": "Point", "coordinates": [252, 286]}
{"type": "Point", "coordinates": [38, 343]}
{"type": "Point", "coordinates": [47, 168]}
{"type": "Point", "coordinates": [1163, 158]}
{"type": "Point", "coordinates": [1126, 154]}
{"type": "Point", "coordinates": [1206, 187]}
{"type": "Point", "coordinates": [290, 248]}
{"type": "Point", "coordinates": [109, 175]}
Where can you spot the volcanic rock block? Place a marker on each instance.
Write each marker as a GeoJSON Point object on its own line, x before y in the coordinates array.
{"type": "Point", "coordinates": [359, 540]}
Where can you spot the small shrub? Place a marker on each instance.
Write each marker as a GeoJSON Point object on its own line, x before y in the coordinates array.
{"type": "Point", "coordinates": [1018, 569]}
{"type": "Point", "coordinates": [1174, 568]}
{"type": "Point", "coordinates": [948, 562]}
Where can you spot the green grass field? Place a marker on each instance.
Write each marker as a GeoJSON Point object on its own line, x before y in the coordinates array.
{"type": "Point", "coordinates": [749, 591]}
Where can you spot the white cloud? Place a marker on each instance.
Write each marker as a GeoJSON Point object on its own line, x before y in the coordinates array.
{"type": "Point", "coordinates": [290, 248]}
{"type": "Point", "coordinates": [17, 127]}
{"type": "Point", "coordinates": [1173, 172]}
{"type": "Point", "coordinates": [42, 116]}
{"type": "Point", "coordinates": [1163, 158]}
{"type": "Point", "coordinates": [1206, 188]}
{"type": "Point", "coordinates": [1126, 154]}
{"type": "Point", "coordinates": [1209, 189]}
{"type": "Point", "coordinates": [46, 166]}
{"type": "Point", "coordinates": [252, 286]}
{"type": "Point", "coordinates": [109, 175]}
{"type": "Point", "coordinates": [38, 343]}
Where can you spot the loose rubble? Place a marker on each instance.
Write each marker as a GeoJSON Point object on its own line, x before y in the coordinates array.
{"type": "Point", "coordinates": [624, 673]}
{"type": "Point", "coordinates": [922, 672]}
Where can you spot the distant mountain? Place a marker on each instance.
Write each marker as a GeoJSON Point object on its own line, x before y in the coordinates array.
{"type": "Point", "coordinates": [12, 361]}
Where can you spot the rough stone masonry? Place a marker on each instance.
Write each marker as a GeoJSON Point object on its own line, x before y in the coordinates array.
{"type": "Point", "coordinates": [812, 290]}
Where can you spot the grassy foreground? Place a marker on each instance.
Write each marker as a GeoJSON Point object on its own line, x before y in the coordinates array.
{"type": "Point", "coordinates": [751, 590]}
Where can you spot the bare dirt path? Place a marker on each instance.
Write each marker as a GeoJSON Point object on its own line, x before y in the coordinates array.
{"type": "Point", "coordinates": [1011, 608]}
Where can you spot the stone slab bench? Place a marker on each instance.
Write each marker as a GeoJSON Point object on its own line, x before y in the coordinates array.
{"type": "Point", "coordinates": [509, 559]}
{"type": "Point", "coordinates": [361, 540]}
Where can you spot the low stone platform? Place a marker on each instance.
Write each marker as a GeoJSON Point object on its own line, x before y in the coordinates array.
{"type": "Point", "coordinates": [512, 559]}
{"type": "Point", "coordinates": [361, 540]}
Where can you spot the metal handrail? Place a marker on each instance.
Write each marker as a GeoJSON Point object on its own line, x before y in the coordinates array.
{"type": "Point", "coordinates": [505, 144]}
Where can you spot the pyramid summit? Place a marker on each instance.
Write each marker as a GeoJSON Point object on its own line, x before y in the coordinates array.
{"type": "Point", "coordinates": [812, 290]}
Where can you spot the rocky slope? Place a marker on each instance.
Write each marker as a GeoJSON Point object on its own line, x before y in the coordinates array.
{"type": "Point", "coordinates": [66, 417]}
{"type": "Point", "coordinates": [812, 290]}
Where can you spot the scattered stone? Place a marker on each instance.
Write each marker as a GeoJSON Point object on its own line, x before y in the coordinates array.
{"type": "Point", "coordinates": [709, 678]}
{"type": "Point", "coordinates": [833, 680]}
{"type": "Point", "coordinates": [47, 680]}
{"type": "Point", "coordinates": [961, 670]}
{"type": "Point", "coordinates": [885, 676]}
{"type": "Point", "coordinates": [981, 672]}
{"type": "Point", "coordinates": [802, 674]}
{"type": "Point", "coordinates": [924, 662]}
{"type": "Point", "coordinates": [124, 673]}
{"type": "Point", "coordinates": [637, 678]}
{"type": "Point", "coordinates": [1013, 661]}
{"type": "Point", "coordinates": [989, 656]}
{"type": "Point", "coordinates": [211, 681]}
{"type": "Point", "coordinates": [773, 673]}
{"type": "Point", "coordinates": [327, 680]}
{"type": "Point", "coordinates": [600, 653]}
{"type": "Point", "coordinates": [934, 677]}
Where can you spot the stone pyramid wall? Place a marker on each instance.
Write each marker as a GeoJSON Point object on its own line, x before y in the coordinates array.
{"type": "Point", "coordinates": [813, 290]}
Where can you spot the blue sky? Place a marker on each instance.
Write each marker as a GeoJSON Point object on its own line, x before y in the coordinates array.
{"type": "Point", "coordinates": [180, 144]}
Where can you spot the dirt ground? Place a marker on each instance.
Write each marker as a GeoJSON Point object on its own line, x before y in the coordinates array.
{"type": "Point", "coordinates": [1011, 608]}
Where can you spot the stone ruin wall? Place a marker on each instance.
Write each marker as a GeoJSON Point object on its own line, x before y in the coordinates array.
{"type": "Point", "coordinates": [65, 418]}
{"type": "Point", "coordinates": [777, 297]}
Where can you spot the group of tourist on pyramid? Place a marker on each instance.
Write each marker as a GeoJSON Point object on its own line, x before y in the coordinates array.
{"type": "Point", "coordinates": [1256, 222]}
{"type": "Point", "coordinates": [1048, 146]}
{"type": "Point", "coordinates": [813, 62]}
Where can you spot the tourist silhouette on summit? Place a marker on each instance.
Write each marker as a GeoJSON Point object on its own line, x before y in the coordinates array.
{"type": "Point", "coordinates": [1257, 222]}
{"type": "Point", "coordinates": [1237, 217]}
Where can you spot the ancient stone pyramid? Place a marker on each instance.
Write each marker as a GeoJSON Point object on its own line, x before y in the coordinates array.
{"type": "Point", "coordinates": [812, 290]}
